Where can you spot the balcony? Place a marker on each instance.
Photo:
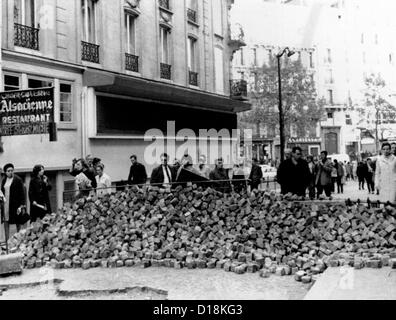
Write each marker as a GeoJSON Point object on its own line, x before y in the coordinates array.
{"type": "Point", "coordinates": [164, 4]}
{"type": "Point", "coordinates": [90, 52]}
{"type": "Point", "coordinates": [26, 37]}
{"type": "Point", "coordinates": [131, 62]}
{"type": "Point", "coordinates": [192, 15]}
{"type": "Point", "coordinates": [193, 78]}
{"type": "Point", "coordinates": [238, 89]}
{"type": "Point", "coordinates": [166, 71]}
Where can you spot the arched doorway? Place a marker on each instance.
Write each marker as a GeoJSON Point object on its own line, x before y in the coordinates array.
{"type": "Point", "coordinates": [331, 142]}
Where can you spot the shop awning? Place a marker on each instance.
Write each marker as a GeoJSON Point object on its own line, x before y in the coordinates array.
{"type": "Point", "coordinates": [160, 92]}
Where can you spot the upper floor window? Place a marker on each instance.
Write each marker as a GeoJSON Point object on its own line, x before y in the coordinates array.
{"type": "Point", "coordinates": [218, 17]}
{"type": "Point", "coordinates": [219, 70]}
{"type": "Point", "coordinates": [192, 9]}
{"type": "Point", "coordinates": [24, 12]}
{"type": "Point", "coordinates": [164, 44]}
{"type": "Point", "coordinates": [130, 22]}
{"type": "Point", "coordinates": [89, 20]}
{"type": "Point", "coordinates": [348, 119]}
{"type": "Point", "coordinates": [328, 57]}
{"type": "Point", "coordinates": [311, 62]}
{"type": "Point", "coordinates": [191, 50]}
{"type": "Point", "coordinates": [254, 56]}
{"type": "Point", "coordinates": [242, 57]}
{"type": "Point", "coordinates": [65, 102]}
{"type": "Point", "coordinates": [12, 82]}
{"type": "Point", "coordinates": [330, 97]}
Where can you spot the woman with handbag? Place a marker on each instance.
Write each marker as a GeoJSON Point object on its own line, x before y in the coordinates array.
{"type": "Point", "coordinates": [38, 194]}
{"type": "Point", "coordinates": [14, 202]}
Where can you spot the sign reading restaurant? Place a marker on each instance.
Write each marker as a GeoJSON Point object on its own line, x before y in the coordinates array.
{"type": "Point", "coordinates": [26, 112]}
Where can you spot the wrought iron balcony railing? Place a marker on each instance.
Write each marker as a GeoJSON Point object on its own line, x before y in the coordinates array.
{"type": "Point", "coordinates": [193, 78]}
{"type": "Point", "coordinates": [166, 71]}
{"type": "Point", "coordinates": [26, 37]}
{"type": "Point", "coordinates": [131, 62]}
{"type": "Point", "coordinates": [90, 52]}
{"type": "Point", "coordinates": [238, 89]}
{"type": "Point", "coordinates": [192, 15]}
{"type": "Point", "coordinates": [164, 4]}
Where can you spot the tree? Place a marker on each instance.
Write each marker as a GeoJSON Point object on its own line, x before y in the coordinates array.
{"type": "Point", "coordinates": [301, 105]}
{"type": "Point", "coordinates": [375, 107]}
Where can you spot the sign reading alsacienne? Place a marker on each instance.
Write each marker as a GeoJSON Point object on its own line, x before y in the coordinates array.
{"type": "Point", "coordinates": [26, 112]}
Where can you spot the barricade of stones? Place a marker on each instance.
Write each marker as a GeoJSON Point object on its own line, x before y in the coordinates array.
{"type": "Point", "coordinates": [196, 228]}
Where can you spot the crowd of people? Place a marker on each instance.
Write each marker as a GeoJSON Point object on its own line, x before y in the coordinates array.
{"type": "Point", "coordinates": [313, 177]}
{"type": "Point", "coordinates": [297, 175]}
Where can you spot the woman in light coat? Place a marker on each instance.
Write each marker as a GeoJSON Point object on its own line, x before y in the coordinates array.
{"type": "Point", "coordinates": [385, 175]}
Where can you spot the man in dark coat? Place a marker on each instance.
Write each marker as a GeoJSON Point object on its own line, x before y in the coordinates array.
{"type": "Point", "coordinates": [293, 174]}
{"type": "Point", "coordinates": [137, 172]}
{"type": "Point", "coordinates": [323, 181]}
{"type": "Point", "coordinates": [220, 175]}
{"type": "Point", "coordinates": [256, 174]}
{"type": "Point", "coordinates": [164, 174]}
{"type": "Point", "coordinates": [312, 177]}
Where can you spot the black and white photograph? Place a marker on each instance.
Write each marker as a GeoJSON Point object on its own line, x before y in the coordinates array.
{"type": "Point", "coordinates": [174, 151]}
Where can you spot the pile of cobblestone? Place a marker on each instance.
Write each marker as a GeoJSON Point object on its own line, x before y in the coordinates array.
{"type": "Point", "coordinates": [196, 228]}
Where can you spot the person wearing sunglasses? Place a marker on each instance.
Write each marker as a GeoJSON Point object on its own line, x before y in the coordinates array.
{"type": "Point", "coordinates": [293, 174]}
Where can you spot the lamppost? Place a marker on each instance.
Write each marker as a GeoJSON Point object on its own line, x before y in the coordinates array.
{"type": "Point", "coordinates": [281, 120]}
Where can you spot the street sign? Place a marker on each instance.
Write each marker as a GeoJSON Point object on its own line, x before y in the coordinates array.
{"type": "Point", "coordinates": [26, 112]}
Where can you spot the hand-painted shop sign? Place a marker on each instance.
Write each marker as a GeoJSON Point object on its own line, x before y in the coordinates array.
{"type": "Point", "coordinates": [26, 112]}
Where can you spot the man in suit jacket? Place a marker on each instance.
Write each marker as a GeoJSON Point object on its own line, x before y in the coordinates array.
{"type": "Point", "coordinates": [256, 174]}
{"type": "Point", "coordinates": [137, 172]}
{"type": "Point", "coordinates": [164, 174]}
{"type": "Point", "coordinates": [323, 175]}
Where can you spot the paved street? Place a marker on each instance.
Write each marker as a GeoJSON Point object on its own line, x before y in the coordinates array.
{"type": "Point", "coordinates": [351, 191]}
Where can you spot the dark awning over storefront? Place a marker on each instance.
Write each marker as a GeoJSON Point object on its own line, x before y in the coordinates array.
{"type": "Point", "coordinates": [150, 90]}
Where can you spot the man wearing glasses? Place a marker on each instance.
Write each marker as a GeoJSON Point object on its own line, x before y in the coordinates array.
{"type": "Point", "coordinates": [293, 174]}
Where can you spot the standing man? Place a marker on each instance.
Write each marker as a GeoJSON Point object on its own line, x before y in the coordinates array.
{"type": "Point", "coordinates": [220, 174]}
{"type": "Point", "coordinates": [385, 174]}
{"type": "Point", "coordinates": [340, 176]}
{"type": "Point", "coordinates": [312, 176]}
{"type": "Point", "coordinates": [370, 176]}
{"type": "Point", "coordinates": [323, 175]}
{"type": "Point", "coordinates": [164, 173]}
{"type": "Point", "coordinates": [256, 174]}
{"type": "Point", "coordinates": [293, 174]}
{"type": "Point", "coordinates": [137, 172]}
{"type": "Point", "coordinates": [361, 174]}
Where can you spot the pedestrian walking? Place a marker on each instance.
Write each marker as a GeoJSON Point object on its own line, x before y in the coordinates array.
{"type": "Point", "coordinates": [137, 172]}
{"type": "Point", "coordinates": [312, 175]}
{"type": "Point", "coordinates": [103, 181]}
{"type": "Point", "coordinates": [164, 174]}
{"type": "Point", "coordinates": [361, 173]}
{"type": "Point", "coordinates": [323, 181]}
{"type": "Point", "coordinates": [293, 174]}
{"type": "Point", "coordinates": [256, 175]}
{"type": "Point", "coordinates": [385, 175]}
{"type": "Point", "coordinates": [15, 212]}
{"type": "Point", "coordinates": [340, 176]}
{"type": "Point", "coordinates": [354, 169]}
{"type": "Point", "coordinates": [220, 177]}
{"type": "Point", "coordinates": [370, 174]}
{"type": "Point", "coordinates": [39, 188]}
